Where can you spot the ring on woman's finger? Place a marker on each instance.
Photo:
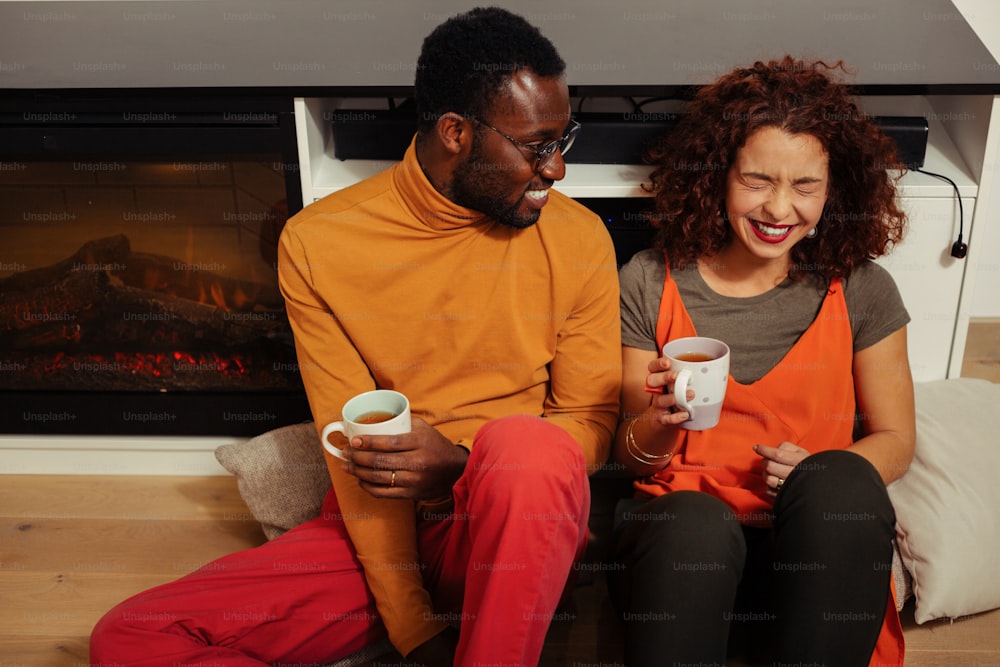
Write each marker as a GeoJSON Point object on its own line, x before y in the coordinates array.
{"type": "Point", "coordinates": [777, 484]}
{"type": "Point", "coordinates": [392, 480]}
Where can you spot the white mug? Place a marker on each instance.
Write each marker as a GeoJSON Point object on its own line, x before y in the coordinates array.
{"type": "Point", "coordinates": [376, 412]}
{"type": "Point", "coordinates": [704, 367]}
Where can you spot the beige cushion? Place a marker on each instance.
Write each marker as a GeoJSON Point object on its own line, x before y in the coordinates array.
{"type": "Point", "coordinates": [282, 476]}
{"type": "Point", "coordinates": [901, 578]}
{"type": "Point", "coordinates": [948, 502]}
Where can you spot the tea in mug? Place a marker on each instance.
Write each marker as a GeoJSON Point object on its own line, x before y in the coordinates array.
{"type": "Point", "coordinates": [695, 357]}
{"type": "Point", "coordinates": [376, 417]}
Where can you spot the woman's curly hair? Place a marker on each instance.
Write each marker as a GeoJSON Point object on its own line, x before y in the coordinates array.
{"type": "Point", "coordinates": [861, 219]}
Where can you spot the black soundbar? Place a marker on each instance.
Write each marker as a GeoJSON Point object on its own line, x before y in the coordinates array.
{"type": "Point", "coordinates": [365, 134]}
{"type": "Point", "coordinates": [606, 138]}
{"type": "Point", "coordinates": [910, 134]}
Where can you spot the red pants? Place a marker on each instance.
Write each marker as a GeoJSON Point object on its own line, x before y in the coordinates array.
{"type": "Point", "coordinates": [498, 563]}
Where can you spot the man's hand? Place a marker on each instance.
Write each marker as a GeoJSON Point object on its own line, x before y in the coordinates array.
{"type": "Point", "coordinates": [438, 651]}
{"type": "Point", "coordinates": [419, 465]}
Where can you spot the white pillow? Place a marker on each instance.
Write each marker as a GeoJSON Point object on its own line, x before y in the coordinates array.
{"type": "Point", "coordinates": [948, 503]}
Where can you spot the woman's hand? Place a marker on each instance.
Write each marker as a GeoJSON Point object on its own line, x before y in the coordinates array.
{"type": "Point", "coordinates": [778, 462]}
{"type": "Point", "coordinates": [649, 415]}
{"type": "Point", "coordinates": [660, 383]}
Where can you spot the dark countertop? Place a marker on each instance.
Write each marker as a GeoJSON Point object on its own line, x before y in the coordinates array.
{"type": "Point", "coordinates": [314, 46]}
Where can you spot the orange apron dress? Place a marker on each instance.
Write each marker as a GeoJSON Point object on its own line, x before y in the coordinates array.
{"type": "Point", "coordinates": [806, 399]}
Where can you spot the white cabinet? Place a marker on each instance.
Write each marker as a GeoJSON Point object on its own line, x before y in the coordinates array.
{"type": "Point", "coordinates": [930, 281]}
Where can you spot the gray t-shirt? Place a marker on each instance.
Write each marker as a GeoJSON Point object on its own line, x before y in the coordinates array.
{"type": "Point", "coordinates": [760, 329]}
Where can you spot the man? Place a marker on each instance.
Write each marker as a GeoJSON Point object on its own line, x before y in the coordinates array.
{"type": "Point", "coordinates": [460, 279]}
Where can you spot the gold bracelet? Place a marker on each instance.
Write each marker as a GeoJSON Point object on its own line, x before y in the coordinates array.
{"type": "Point", "coordinates": [632, 447]}
{"type": "Point", "coordinates": [630, 440]}
{"type": "Point", "coordinates": [628, 449]}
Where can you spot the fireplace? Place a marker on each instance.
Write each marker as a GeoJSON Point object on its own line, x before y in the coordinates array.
{"type": "Point", "coordinates": [138, 284]}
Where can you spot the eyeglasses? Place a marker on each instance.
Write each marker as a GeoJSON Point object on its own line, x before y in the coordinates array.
{"type": "Point", "coordinates": [544, 154]}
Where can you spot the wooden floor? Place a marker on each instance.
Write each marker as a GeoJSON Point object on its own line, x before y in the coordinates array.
{"type": "Point", "coordinates": [71, 547]}
{"type": "Point", "coordinates": [982, 351]}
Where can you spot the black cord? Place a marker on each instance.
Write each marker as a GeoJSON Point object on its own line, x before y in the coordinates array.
{"type": "Point", "coordinates": [651, 100]}
{"type": "Point", "coordinates": [636, 106]}
{"type": "Point", "coordinates": [958, 249]}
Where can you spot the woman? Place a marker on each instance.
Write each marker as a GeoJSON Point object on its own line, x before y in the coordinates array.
{"type": "Point", "coordinates": [773, 529]}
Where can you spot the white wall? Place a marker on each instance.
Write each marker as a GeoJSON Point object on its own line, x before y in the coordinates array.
{"type": "Point", "coordinates": [984, 17]}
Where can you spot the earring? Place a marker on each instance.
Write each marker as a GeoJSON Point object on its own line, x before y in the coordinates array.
{"type": "Point", "coordinates": [811, 234]}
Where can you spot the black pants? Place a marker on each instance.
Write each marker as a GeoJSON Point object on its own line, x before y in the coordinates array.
{"type": "Point", "coordinates": [811, 590]}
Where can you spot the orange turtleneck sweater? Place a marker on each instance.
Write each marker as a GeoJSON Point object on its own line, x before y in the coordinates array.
{"type": "Point", "coordinates": [388, 284]}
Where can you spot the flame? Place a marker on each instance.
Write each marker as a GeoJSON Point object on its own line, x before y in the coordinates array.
{"type": "Point", "coordinates": [240, 298]}
{"type": "Point", "coordinates": [217, 296]}
{"type": "Point", "coordinates": [189, 248]}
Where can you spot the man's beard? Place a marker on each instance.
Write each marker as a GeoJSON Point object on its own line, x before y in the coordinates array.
{"type": "Point", "coordinates": [482, 190]}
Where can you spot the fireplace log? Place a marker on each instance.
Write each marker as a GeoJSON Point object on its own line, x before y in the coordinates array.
{"type": "Point", "coordinates": [92, 298]}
